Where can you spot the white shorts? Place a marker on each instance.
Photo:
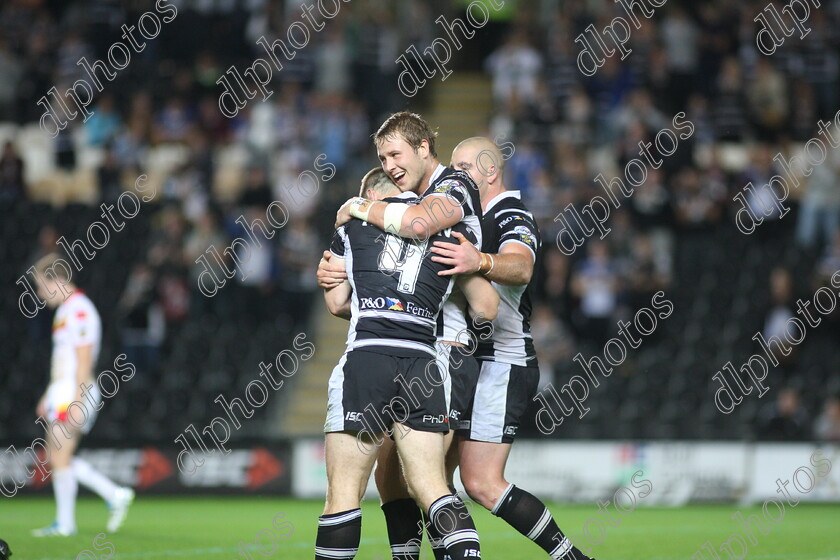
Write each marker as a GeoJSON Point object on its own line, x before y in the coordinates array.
{"type": "Point", "coordinates": [62, 406]}
{"type": "Point", "coordinates": [498, 402]}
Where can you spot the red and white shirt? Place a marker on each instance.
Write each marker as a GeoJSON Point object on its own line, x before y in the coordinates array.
{"type": "Point", "coordinates": [76, 323]}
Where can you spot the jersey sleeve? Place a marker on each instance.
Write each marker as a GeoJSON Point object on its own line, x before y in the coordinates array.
{"type": "Point", "coordinates": [454, 189]}
{"type": "Point", "coordinates": [339, 243]}
{"type": "Point", "coordinates": [519, 227]}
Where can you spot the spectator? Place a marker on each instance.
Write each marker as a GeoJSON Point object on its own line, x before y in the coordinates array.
{"type": "Point", "coordinates": [827, 426]}
{"type": "Point", "coordinates": [298, 258]}
{"type": "Point", "coordinates": [143, 326]}
{"type": "Point", "coordinates": [104, 124]}
{"type": "Point", "coordinates": [783, 420]}
{"type": "Point", "coordinates": [681, 39]}
{"type": "Point", "coordinates": [515, 67]}
{"type": "Point", "coordinates": [12, 185]}
{"type": "Point", "coordinates": [767, 99]}
{"type": "Point", "coordinates": [819, 212]}
{"type": "Point", "coordinates": [776, 321]}
{"type": "Point", "coordinates": [596, 285]}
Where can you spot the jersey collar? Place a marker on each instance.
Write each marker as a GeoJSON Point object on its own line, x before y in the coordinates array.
{"type": "Point", "coordinates": [407, 195]}
{"type": "Point", "coordinates": [438, 172]}
{"type": "Point", "coordinates": [500, 197]}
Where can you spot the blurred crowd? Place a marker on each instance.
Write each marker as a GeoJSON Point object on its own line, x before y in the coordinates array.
{"type": "Point", "coordinates": [697, 57]}
{"type": "Point", "coordinates": [694, 57]}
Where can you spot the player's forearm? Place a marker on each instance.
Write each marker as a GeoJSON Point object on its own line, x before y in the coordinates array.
{"type": "Point", "coordinates": [419, 221]}
{"type": "Point", "coordinates": [482, 298]}
{"type": "Point", "coordinates": [508, 269]}
{"type": "Point", "coordinates": [338, 300]}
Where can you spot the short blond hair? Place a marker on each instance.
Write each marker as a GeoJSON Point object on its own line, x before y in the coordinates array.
{"type": "Point", "coordinates": [49, 263]}
{"type": "Point", "coordinates": [411, 127]}
{"type": "Point", "coordinates": [377, 180]}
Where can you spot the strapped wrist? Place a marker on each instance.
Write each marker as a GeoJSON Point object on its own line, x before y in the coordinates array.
{"type": "Point", "coordinates": [360, 208]}
{"type": "Point", "coordinates": [487, 263]}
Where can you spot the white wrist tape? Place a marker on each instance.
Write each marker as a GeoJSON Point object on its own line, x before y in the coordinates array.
{"type": "Point", "coordinates": [360, 208]}
{"type": "Point", "coordinates": [393, 217]}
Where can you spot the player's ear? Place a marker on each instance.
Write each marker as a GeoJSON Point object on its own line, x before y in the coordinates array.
{"type": "Point", "coordinates": [423, 149]}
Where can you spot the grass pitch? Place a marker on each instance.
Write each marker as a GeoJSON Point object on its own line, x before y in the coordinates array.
{"type": "Point", "coordinates": [213, 528]}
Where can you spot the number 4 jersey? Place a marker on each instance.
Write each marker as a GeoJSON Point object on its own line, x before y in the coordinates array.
{"type": "Point", "coordinates": [397, 293]}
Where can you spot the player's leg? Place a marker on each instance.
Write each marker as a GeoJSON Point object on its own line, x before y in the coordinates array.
{"type": "Point", "coordinates": [422, 456]}
{"type": "Point", "coordinates": [117, 497]}
{"type": "Point", "coordinates": [463, 373]}
{"type": "Point", "coordinates": [357, 384]}
{"type": "Point", "coordinates": [501, 397]}
{"type": "Point", "coordinates": [348, 471]}
{"type": "Point", "coordinates": [421, 448]}
{"type": "Point", "coordinates": [62, 446]}
{"type": "Point", "coordinates": [403, 516]}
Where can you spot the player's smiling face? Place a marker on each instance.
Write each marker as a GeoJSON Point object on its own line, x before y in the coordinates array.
{"type": "Point", "coordinates": [404, 165]}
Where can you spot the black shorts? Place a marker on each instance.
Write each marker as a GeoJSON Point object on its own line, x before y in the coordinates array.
{"type": "Point", "coordinates": [463, 373]}
{"type": "Point", "coordinates": [497, 402]}
{"type": "Point", "coordinates": [371, 389]}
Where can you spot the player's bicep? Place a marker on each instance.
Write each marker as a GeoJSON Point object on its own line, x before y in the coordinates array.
{"type": "Point", "coordinates": [519, 249]}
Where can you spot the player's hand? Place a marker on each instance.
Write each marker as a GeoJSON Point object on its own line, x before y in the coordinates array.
{"type": "Point", "coordinates": [343, 215]}
{"type": "Point", "coordinates": [329, 274]}
{"type": "Point", "coordinates": [464, 258]}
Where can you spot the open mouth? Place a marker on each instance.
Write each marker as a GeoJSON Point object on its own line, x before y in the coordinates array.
{"type": "Point", "coordinates": [397, 177]}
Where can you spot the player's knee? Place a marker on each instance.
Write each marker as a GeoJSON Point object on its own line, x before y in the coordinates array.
{"type": "Point", "coordinates": [479, 488]}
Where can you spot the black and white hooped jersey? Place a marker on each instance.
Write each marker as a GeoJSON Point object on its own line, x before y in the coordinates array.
{"type": "Point", "coordinates": [459, 186]}
{"type": "Point", "coordinates": [506, 220]}
{"type": "Point", "coordinates": [397, 292]}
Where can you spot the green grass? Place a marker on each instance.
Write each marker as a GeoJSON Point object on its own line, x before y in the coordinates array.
{"type": "Point", "coordinates": [212, 528]}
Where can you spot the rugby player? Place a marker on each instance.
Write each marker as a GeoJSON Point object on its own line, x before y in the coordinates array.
{"type": "Point", "coordinates": [76, 337]}
{"type": "Point", "coordinates": [406, 147]}
{"type": "Point", "coordinates": [509, 372]}
{"type": "Point", "coordinates": [394, 295]}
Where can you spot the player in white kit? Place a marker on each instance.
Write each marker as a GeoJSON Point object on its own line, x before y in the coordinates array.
{"type": "Point", "coordinates": [72, 400]}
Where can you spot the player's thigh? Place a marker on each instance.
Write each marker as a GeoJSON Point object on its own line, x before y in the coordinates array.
{"type": "Point", "coordinates": [422, 458]}
{"type": "Point", "coordinates": [482, 461]}
{"type": "Point", "coordinates": [62, 451]}
{"type": "Point", "coordinates": [388, 475]}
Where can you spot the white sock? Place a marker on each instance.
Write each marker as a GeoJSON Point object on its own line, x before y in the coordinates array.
{"type": "Point", "coordinates": [65, 488]}
{"type": "Point", "coordinates": [94, 480]}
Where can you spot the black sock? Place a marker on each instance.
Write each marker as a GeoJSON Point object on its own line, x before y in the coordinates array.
{"type": "Point", "coordinates": [450, 517]}
{"type": "Point", "coordinates": [528, 515]}
{"type": "Point", "coordinates": [338, 535]}
{"type": "Point", "coordinates": [404, 521]}
{"type": "Point", "coordinates": [435, 539]}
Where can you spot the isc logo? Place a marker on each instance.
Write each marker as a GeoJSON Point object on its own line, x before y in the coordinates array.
{"type": "Point", "coordinates": [353, 416]}
{"type": "Point", "coordinates": [510, 430]}
{"type": "Point", "coordinates": [439, 419]}
{"type": "Point", "coordinates": [472, 554]}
